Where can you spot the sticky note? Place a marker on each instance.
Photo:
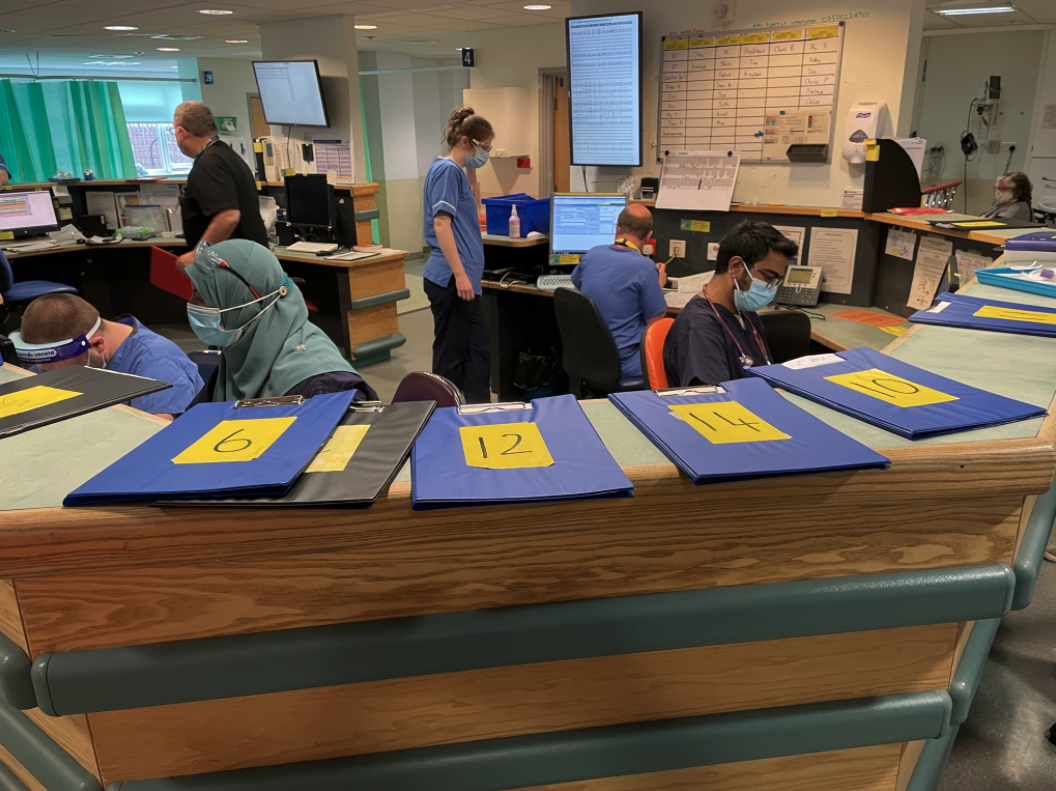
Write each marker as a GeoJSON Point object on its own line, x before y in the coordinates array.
{"type": "Point", "coordinates": [700, 226]}
{"type": "Point", "coordinates": [1013, 314]}
{"type": "Point", "coordinates": [702, 42]}
{"type": "Point", "coordinates": [826, 31]}
{"type": "Point", "coordinates": [727, 423]}
{"type": "Point", "coordinates": [830, 213]}
{"type": "Point", "coordinates": [32, 398]}
{"type": "Point", "coordinates": [258, 186]}
{"type": "Point", "coordinates": [339, 449]}
{"type": "Point", "coordinates": [675, 44]}
{"type": "Point", "coordinates": [235, 440]}
{"type": "Point", "coordinates": [258, 148]}
{"type": "Point", "coordinates": [505, 446]}
{"type": "Point", "coordinates": [6, 235]}
{"type": "Point", "coordinates": [890, 388]}
{"type": "Point", "coordinates": [290, 172]}
{"type": "Point", "coordinates": [564, 260]}
{"type": "Point", "coordinates": [726, 41]}
{"type": "Point", "coordinates": [872, 153]}
{"type": "Point", "coordinates": [788, 35]}
{"type": "Point", "coordinates": [896, 331]}
{"type": "Point", "coordinates": [755, 38]}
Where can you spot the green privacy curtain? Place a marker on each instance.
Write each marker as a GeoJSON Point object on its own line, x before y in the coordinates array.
{"type": "Point", "coordinates": [64, 125]}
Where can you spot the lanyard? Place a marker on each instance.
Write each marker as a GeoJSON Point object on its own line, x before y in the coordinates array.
{"type": "Point", "coordinates": [208, 143]}
{"type": "Point", "coordinates": [746, 361]}
{"type": "Point", "coordinates": [621, 242]}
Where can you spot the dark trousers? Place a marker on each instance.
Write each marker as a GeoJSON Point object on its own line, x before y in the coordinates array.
{"type": "Point", "coordinates": [461, 347]}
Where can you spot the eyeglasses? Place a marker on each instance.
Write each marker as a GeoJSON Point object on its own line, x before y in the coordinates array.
{"type": "Point", "coordinates": [486, 147]}
{"type": "Point", "coordinates": [771, 279]}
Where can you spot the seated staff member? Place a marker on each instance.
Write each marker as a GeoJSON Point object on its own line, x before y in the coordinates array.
{"type": "Point", "coordinates": [717, 335]}
{"type": "Point", "coordinates": [62, 329]}
{"type": "Point", "coordinates": [1012, 196]}
{"type": "Point", "coordinates": [626, 286]}
{"type": "Point", "coordinates": [244, 303]}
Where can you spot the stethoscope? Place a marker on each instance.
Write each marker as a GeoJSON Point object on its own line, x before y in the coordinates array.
{"type": "Point", "coordinates": [746, 360]}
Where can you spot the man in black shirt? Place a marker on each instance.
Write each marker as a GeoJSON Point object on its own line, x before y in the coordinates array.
{"type": "Point", "coordinates": [718, 334]}
{"type": "Point", "coordinates": [220, 200]}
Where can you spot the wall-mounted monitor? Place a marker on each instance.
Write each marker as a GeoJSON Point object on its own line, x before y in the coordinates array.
{"type": "Point", "coordinates": [291, 92]}
{"type": "Point", "coordinates": [605, 89]}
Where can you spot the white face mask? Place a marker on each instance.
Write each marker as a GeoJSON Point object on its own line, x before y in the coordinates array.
{"type": "Point", "coordinates": [1003, 196]}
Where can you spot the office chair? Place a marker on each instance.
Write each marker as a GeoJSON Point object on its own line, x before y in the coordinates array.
{"type": "Point", "coordinates": [787, 333]}
{"type": "Point", "coordinates": [425, 386]}
{"type": "Point", "coordinates": [18, 295]}
{"type": "Point", "coordinates": [652, 354]}
{"type": "Point", "coordinates": [590, 357]}
{"type": "Point", "coordinates": [208, 362]}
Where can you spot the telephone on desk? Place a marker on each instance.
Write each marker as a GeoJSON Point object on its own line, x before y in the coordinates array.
{"type": "Point", "coordinates": [801, 287]}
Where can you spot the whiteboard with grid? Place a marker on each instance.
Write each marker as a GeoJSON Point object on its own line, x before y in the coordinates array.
{"type": "Point", "coordinates": [754, 91]}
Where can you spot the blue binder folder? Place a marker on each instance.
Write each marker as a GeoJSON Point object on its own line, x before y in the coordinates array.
{"type": "Point", "coordinates": [746, 431]}
{"type": "Point", "coordinates": [220, 448]}
{"type": "Point", "coordinates": [959, 310]}
{"type": "Point", "coordinates": [543, 451]}
{"type": "Point", "coordinates": [893, 395]}
{"type": "Point", "coordinates": [1016, 279]}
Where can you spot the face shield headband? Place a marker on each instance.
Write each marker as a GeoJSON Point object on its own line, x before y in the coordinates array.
{"type": "Point", "coordinates": [56, 351]}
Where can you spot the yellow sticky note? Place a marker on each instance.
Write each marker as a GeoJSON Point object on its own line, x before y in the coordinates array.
{"type": "Point", "coordinates": [6, 235]}
{"type": "Point", "coordinates": [258, 186]}
{"type": "Point", "coordinates": [1013, 314]}
{"type": "Point", "coordinates": [727, 422]}
{"type": "Point", "coordinates": [702, 42]}
{"type": "Point", "coordinates": [788, 35]}
{"type": "Point", "coordinates": [825, 31]}
{"type": "Point", "coordinates": [505, 446]}
{"type": "Point", "coordinates": [568, 259]}
{"type": "Point", "coordinates": [726, 41]}
{"type": "Point", "coordinates": [675, 44]}
{"type": "Point", "coordinates": [258, 148]}
{"type": "Point", "coordinates": [872, 153]}
{"type": "Point", "coordinates": [337, 452]}
{"type": "Point", "coordinates": [890, 388]}
{"type": "Point", "coordinates": [755, 38]}
{"type": "Point", "coordinates": [235, 440]}
{"type": "Point", "coordinates": [290, 172]}
{"type": "Point", "coordinates": [830, 213]}
{"type": "Point", "coordinates": [981, 224]}
{"type": "Point", "coordinates": [32, 398]}
{"type": "Point", "coordinates": [700, 226]}
{"type": "Point", "coordinates": [896, 331]}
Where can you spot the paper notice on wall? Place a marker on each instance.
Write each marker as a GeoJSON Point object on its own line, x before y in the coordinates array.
{"type": "Point", "coordinates": [915, 147]}
{"type": "Point", "coordinates": [932, 257]}
{"type": "Point", "coordinates": [784, 128]}
{"type": "Point", "coordinates": [1048, 120]}
{"type": "Point", "coordinates": [102, 202]}
{"type": "Point", "coordinates": [968, 262]}
{"type": "Point", "coordinates": [797, 235]}
{"type": "Point", "coordinates": [124, 200]}
{"type": "Point", "coordinates": [702, 180]}
{"type": "Point", "coordinates": [900, 244]}
{"type": "Point", "coordinates": [833, 250]}
{"type": "Point", "coordinates": [852, 199]}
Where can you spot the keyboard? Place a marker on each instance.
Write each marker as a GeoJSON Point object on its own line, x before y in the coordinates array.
{"type": "Point", "coordinates": [554, 282]}
{"type": "Point", "coordinates": [311, 247]}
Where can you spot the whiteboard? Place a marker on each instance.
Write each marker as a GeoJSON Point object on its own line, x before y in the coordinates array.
{"type": "Point", "coordinates": [753, 91]}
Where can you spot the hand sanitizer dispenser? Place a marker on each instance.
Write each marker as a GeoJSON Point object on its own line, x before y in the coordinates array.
{"type": "Point", "coordinates": [865, 121]}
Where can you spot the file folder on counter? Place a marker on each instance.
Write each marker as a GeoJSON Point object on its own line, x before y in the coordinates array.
{"type": "Point", "coordinates": [741, 430]}
{"type": "Point", "coordinates": [1030, 279]}
{"type": "Point", "coordinates": [258, 446]}
{"type": "Point", "coordinates": [512, 453]}
{"type": "Point", "coordinates": [366, 451]}
{"type": "Point", "coordinates": [972, 313]}
{"type": "Point", "coordinates": [62, 393]}
{"type": "Point", "coordinates": [893, 395]}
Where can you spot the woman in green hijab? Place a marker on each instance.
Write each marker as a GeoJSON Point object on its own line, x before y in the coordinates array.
{"type": "Point", "coordinates": [244, 303]}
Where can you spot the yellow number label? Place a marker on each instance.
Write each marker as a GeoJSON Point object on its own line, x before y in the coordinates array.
{"type": "Point", "coordinates": [32, 398]}
{"type": "Point", "coordinates": [727, 422]}
{"type": "Point", "coordinates": [1012, 314]}
{"type": "Point", "coordinates": [890, 388]}
{"type": "Point", "coordinates": [235, 440]}
{"type": "Point", "coordinates": [337, 452]}
{"type": "Point", "coordinates": [830, 213]}
{"type": "Point", "coordinates": [505, 446]}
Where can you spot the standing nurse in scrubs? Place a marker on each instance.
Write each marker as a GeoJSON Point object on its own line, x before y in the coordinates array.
{"type": "Point", "coordinates": [452, 274]}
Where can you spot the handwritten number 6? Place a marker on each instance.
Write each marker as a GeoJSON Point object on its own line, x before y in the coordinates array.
{"type": "Point", "coordinates": [228, 440]}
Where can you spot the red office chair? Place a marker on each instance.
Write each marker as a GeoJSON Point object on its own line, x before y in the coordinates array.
{"type": "Point", "coordinates": [652, 353]}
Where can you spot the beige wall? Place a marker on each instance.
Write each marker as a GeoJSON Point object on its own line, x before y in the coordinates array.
{"type": "Point", "coordinates": [233, 81]}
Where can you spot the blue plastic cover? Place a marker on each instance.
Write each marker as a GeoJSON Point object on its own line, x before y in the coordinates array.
{"type": "Point", "coordinates": [176, 462]}
{"type": "Point", "coordinates": [894, 395]}
{"type": "Point", "coordinates": [733, 446]}
{"type": "Point", "coordinates": [1007, 277]}
{"type": "Point", "coordinates": [958, 310]}
{"type": "Point", "coordinates": [554, 429]}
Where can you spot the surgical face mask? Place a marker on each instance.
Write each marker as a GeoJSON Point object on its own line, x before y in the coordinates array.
{"type": "Point", "coordinates": [1002, 196]}
{"type": "Point", "coordinates": [206, 321]}
{"type": "Point", "coordinates": [757, 297]}
{"type": "Point", "coordinates": [102, 355]}
{"type": "Point", "coordinates": [477, 160]}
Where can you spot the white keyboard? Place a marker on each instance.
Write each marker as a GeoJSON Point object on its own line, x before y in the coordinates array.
{"type": "Point", "coordinates": [311, 247]}
{"type": "Point", "coordinates": [554, 282]}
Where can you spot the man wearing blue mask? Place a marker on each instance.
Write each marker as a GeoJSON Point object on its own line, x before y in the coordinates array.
{"type": "Point", "coordinates": [718, 334]}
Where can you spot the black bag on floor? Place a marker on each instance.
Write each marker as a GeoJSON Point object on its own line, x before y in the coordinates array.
{"type": "Point", "coordinates": [537, 365]}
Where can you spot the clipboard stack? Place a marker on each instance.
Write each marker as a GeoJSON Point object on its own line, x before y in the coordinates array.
{"type": "Point", "coordinates": [63, 393]}
{"type": "Point", "coordinates": [893, 395]}
{"type": "Point", "coordinates": [972, 313]}
{"type": "Point", "coordinates": [512, 453]}
{"type": "Point", "coordinates": [741, 430]}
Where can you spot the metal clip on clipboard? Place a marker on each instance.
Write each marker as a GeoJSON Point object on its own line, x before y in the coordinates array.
{"type": "Point", "coordinates": [503, 406]}
{"type": "Point", "coordinates": [700, 390]}
{"type": "Point", "coordinates": [366, 406]}
{"type": "Point", "coordinates": [248, 403]}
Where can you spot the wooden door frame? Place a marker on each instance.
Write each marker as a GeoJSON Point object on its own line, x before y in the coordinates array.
{"type": "Point", "coordinates": [546, 127]}
{"type": "Point", "coordinates": [249, 106]}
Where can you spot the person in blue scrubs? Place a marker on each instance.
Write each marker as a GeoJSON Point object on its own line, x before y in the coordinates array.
{"type": "Point", "coordinates": [461, 347]}
{"type": "Point", "coordinates": [5, 174]}
{"type": "Point", "coordinates": [123, 345]}
{"type": "Point", "coordinates": [626, 286]}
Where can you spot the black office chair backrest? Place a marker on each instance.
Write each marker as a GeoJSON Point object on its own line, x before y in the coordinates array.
{"type": "Point", "coordinates": [426, 386]}
{"type": "Point", "coordinates": [787, 333]}
{"type": "Point", "coordinates": [590, 355]}
{"type": "Point", "coordinates": [7, 276]}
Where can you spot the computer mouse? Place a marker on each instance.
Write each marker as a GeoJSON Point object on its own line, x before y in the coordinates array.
{"type": "Point", "coordinates": [535, 235]}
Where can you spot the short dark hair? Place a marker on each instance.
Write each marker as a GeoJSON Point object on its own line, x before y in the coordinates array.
{"type": "Point", "coordinates": [752, 241]}
{"type": "Point", "coordinates": [1022, 189]}
{"type": "Point", "coordinates": [638, 224]}
{"type": "Point", "coordinates": [56, 317]}
{"type": "Point", "coordinates": [196, 118]}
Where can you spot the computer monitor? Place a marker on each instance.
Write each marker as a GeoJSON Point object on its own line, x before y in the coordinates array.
{"type": "Point", "coordinates": [580, 221]}
{"type": "Point", "coordinates": [308, 201]}
{"type": "Point", "coordinates": [291, 92]}
{"type": "Point", "coordinates": [27, 213]}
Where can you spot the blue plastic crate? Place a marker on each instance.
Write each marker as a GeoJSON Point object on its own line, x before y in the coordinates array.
{"type": "Point", "coordinates": [534, 214]}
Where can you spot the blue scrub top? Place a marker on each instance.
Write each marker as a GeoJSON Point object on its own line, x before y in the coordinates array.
{"type": "Point", "coordinates": [447, 190]}
{"type": "Point", "coordinates": [625, 286]}
{"type": "Point", "coordinates": [699, 350]}
{"type": "Point", "coordinates": [145, 353]}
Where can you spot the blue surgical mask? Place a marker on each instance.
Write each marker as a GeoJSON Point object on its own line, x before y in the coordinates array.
{"type": "Point", "coordinates": [757, 297]}
{"type": "Point", "coordinates": [206, 321]}
{"type": "Point", "coordinates": [477, 160]}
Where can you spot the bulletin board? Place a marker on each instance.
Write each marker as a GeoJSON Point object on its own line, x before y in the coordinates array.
{"type": "Point", "coordinates": [753, 91]}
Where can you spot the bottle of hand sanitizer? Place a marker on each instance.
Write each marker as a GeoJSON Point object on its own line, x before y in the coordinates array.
{"type": "Point", "coordinates": [515, 225]}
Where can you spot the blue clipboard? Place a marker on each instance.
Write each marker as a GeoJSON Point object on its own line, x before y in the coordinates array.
{"type": "Point", "coordinates": [512, 453]}
{"type": "Point", "coordinates": [741, 430]}
{"type": "Point", "coordinates": [220, 448]}
{"type": "Point", "coordinates": [972, 313]}
{"type": "Point", "coordinates": [894, 395]}
{"type": "Point", "coordinates": [1007, 277]}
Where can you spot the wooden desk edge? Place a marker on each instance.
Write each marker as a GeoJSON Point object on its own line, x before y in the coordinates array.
{"type": "Point", "coordinates": [395, 255]}
{"type": "Point", "coordinates": [751, 208]}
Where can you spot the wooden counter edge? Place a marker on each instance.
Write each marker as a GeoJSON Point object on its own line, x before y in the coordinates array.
{"type": "Point", "coordinates": [751, 208]}
{"type": "Point", "coordinates": [395, 255]}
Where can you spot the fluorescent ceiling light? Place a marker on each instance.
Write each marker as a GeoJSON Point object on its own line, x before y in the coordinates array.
{"type": "Point", "coordinates": [997, 9]}
{"type": "Point", "coordinates": [167, 49]}
{"type": "Point", "coordinates": [8, 30]}
{"type": "Point", "coordinates": [537, 7]}
{"type": "Point", "coordinates": [237, 41]}
{"type": "Point", "coordinates": [120, 27]}
{"type": "Point", "coordinates": [365, 27]}
{"type": "Point", "coordinates": [215, 12]}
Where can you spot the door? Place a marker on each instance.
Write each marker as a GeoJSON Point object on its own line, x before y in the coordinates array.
{"type": "Point", "coordinates": [562, 158]}
{"type": "Point", "coordinates": [260, 127]}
